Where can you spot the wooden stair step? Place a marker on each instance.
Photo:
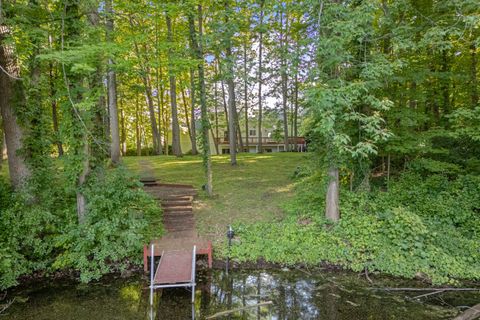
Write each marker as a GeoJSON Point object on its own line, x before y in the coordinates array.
{"type": "Point", "coordinates": [170, 203]}
{"type": "Point", "coordinates": [177, 206]}
{"type": "Point", "coordinates": [176, 209]}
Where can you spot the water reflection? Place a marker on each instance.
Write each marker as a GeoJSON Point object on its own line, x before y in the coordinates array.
{"type": "Point", "coordinates": [294, 295]}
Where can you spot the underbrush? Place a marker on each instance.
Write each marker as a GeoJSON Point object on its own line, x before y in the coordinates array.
{"type": "Point", "coordinates": [43, 234]}
{"type": "Point", "coordinates": [428, 228]}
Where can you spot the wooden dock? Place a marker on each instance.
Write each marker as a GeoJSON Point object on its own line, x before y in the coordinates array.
{"type": "Point", "coordinates": [175, 248]}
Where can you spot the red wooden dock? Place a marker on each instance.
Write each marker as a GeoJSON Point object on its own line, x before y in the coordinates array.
{"type": "Point", "coordinates": [175, 248]}
{"type": "Point", "coordinates": [174, 267]}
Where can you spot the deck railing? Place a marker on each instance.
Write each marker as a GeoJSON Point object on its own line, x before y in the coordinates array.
{"type": "Point", "coordinates": [265, 140]}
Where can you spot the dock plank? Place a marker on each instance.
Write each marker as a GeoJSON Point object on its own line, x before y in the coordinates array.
{"type": "Point", "coordinates": [174, 267]}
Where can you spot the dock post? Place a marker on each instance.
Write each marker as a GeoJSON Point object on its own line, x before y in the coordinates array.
{"type": "Point", "coordinates": [193, 273]}
{"type": "Point", "coordinates": [152, 261]}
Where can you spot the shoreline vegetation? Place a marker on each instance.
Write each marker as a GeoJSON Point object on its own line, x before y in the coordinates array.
{"type": "Point", "coordinates": [378, 232]}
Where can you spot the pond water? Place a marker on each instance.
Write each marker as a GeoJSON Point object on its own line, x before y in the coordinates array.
{"type": "Point", "coordinates": [294, 295]}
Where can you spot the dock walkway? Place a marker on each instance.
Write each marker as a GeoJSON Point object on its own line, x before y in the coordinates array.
{"type": "Point", "coordinates": [176, 267]}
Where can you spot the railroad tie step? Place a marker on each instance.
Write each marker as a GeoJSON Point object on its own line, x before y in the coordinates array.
{"type": "Point", "coordinates": [177, 211]}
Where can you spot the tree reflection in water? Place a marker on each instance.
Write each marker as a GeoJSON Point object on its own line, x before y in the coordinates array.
{"type": "Point", "coordinates": [295, 295]}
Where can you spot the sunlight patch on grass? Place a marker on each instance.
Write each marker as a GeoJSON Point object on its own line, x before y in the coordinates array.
{"type": "Point", "coordinates": [252, 191]}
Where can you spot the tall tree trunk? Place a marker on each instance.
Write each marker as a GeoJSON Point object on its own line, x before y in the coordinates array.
{"type": "Point", "coordinates": [284, 76]}
{"type": "Point", "coordinates": [295, 114]}
{"type": "Point", "coordinates": [332, 211]}
{"type": "Point", "coordinates": [176, 148]}
{"type": "Point", "coordinates": [75, 84]}
{"type": "Point", "coordinates": [166, 125]}
{"type": "Point", "coordinates": [473, 75]}
{"type": "Point", "coordinates": [153, 120]}
{"type": "Point", "coordinates": [193, 132]}
{"type": "Point", "coordinates": [123, 137]}
{"type": "Point", "coordinates": [145, 76]}
{"type": "Point", "coordinates": [137, 128]}
{"type": "Point", "coordinates": [245, 92]}
{"type": "Point", "coordinates": [224, 95]}
{"type": "Point", "coordinates": [163, 112]}
{"type": "Point", "coordinates": [216, 137]}
{"type": "Point", "coordinates": [53, 104]}
{"type": "Point", "coordinates": [12, 94]}
{"type": "Point", "coordinates": [260, 80]}
{"type": "Point", "coordinates": [197, 45]}
{"type": "Point", "coordinates": [225, 104]}
{"type": "Point", "coordinates": [232, 110]}
{"type": "Point", "coordinates": [187, 117]}
{"type": "Point", "coordinates": [445, 84]}
{"type": "Point", "coordinates": [158, 86]}
{"type": "Point", "coordinates": [239, 132]}
{"type": "Point", "coordinates": [82, 178]}
{"type": "Point", "coordinates": [159, 105]}
{"type": "Point", "coordinates": [112, 91]}
{"type": "Point", "coordinates": [101, 125]}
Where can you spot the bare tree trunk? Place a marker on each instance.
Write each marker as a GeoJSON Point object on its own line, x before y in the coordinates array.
{"type": "Point", "coordinates": [473, 75]}
{"type": "Point", "coordinates": [388, 171]}
{"type": "Point", "coordinates": [11, 91]}
{"type": "Point", "coordinates": [153, 120]}
{"type": "Point", "coordinates": [245, 92]}
{"type": "Point", "coordinates": [187, 118]}
{"type": "Point", "coordinates": [157, 146]}
{"type": "Point", "coordinates": [232, 135]}
{"type": "Point", "coordinates": [158, 86]}
{"type": "Point", "coordinates": [176, 148]}
{"type": "Point", "coordinates": [232, 110]}
{"type": "Point", "coordinates": [332, 211]}
{"type": "Point", "coordinates": [164, 114]}
{"type": "Point", "coordinates": [112, 91]}
{"type": "Point", "coordinates": [295, 114]}
{"type": "Point", "coordinates": [198, 48]}
{"type": "Point", "coordinates": [216, 137]}
{"type": "Point", "coordinates": [239, 133]}
{"type": "Point", "coordinates": [82, 178]}
{"type": "Point", "coordinates": [123, 137]}
{"type": "Point", "coordinates": [166, 125]}
{"type": "Point", "coordinates": [224, 95]}
{"type": "Point", "coordinates": [193, 133]}
{"type": "Point", "coordinates": [53, 103]}
{"type": "Point", "coordinates": [284, 78]}
{"type": "Point", "coordinates": [55, 113]}
{"type": "Point", "coordinates": [137, 128]}
{"type": "Point", "coordinates": [260, 80]}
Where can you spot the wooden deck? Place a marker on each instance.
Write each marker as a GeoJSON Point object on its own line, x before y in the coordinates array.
{"type": "Point", "coordinates": [174, 267]}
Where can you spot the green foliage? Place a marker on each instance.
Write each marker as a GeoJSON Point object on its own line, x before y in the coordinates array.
{"type": "Point", "coordinates": [421, 227]}
{"type": "Point", "coordinates": [45, 235]}
{"type": "Point", "coordinates": [121, 218]}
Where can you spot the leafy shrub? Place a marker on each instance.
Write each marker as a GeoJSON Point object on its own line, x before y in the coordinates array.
{"type": "Point", "coordinates": [121, 217]}
{"type": "Point", "coordinates": [44, 235]}
{"type": "Point", "coordinates": [427, 227]}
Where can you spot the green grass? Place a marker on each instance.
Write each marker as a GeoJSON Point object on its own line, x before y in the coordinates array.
{"type": "Point", "coordinates": [252, 191]}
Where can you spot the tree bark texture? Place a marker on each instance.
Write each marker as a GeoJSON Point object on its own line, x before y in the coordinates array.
{"type": "Point", "coordinates": [332, 211]}
{"type": "Point", "coordinates": [112, 92]}
{"type": "Point", "coordinates": [12, 93]}
{"type": "Point", "coordinates": [260, 80]}
{"type": "Point", "coordinates": [176, 147]}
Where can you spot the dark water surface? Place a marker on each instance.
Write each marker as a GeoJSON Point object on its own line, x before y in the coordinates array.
{"type": "Point", "coordinates": [295, 295]}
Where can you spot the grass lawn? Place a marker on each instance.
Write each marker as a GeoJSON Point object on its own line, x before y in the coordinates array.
{"type": "Point", "coordinates": [252, 191]}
